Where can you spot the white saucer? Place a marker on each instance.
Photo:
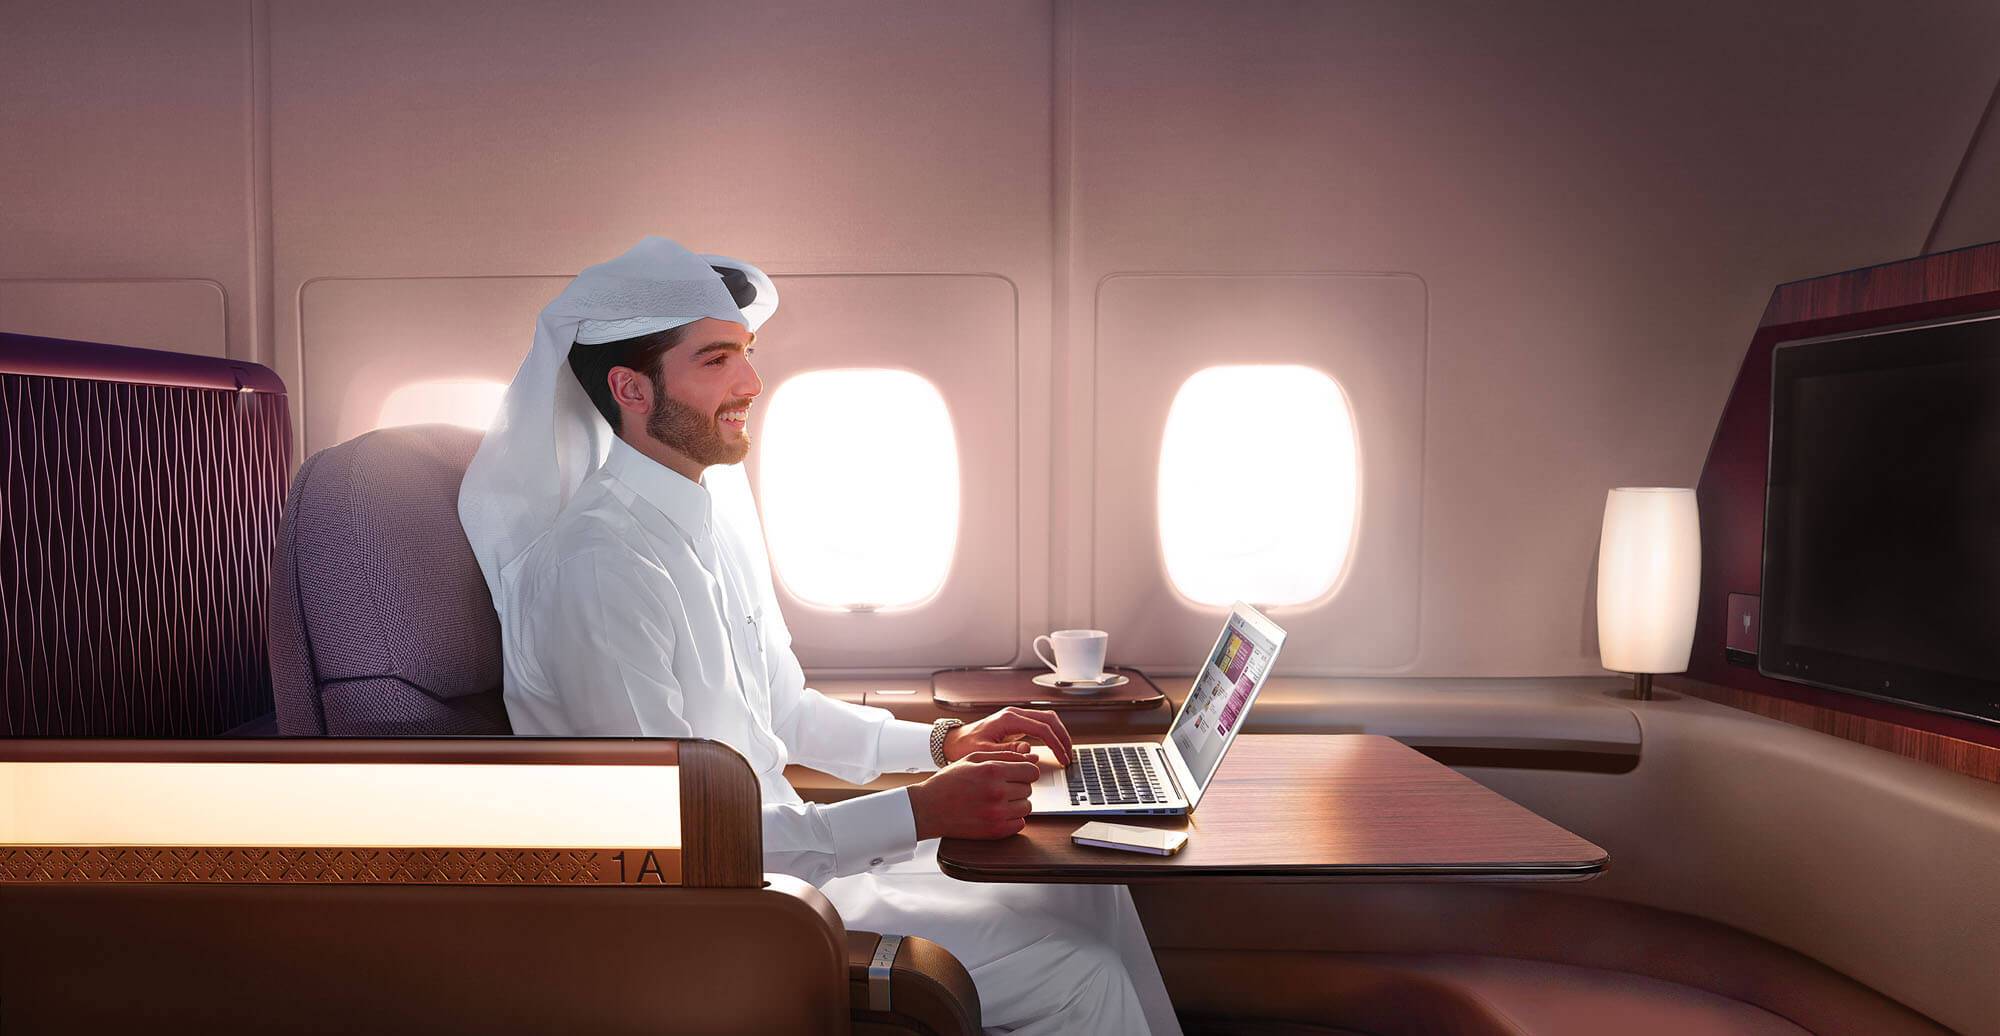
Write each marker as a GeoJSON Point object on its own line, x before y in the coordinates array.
{"type": "Point", "coordinates": [1107, 681]}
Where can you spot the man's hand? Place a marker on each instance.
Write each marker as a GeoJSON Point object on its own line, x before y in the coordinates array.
{"type": "Point", "coordinates": [984, 795]}
{"type": "Point", "coordinates": [1010, 730]}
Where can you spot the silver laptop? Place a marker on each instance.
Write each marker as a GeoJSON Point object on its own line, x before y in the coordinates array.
{"type": "Point", "coordinates": [1169, 777]}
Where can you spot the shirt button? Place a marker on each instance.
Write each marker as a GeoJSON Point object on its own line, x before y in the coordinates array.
{"type": "Point", "coordinates": [876, 862]}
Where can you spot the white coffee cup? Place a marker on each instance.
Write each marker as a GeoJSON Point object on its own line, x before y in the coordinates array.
{"type": "Point", "coordinates": [1079, 654]}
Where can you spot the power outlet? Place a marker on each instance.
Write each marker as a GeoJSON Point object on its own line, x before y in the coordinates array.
{"type": "Point", "coordinates": [1740, 646]}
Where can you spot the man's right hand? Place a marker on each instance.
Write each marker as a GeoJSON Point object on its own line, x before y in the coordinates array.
{"type": "Point", "coordinates": [984, 795]}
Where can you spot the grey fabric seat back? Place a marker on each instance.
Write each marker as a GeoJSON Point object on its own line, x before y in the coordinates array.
{"type": "Point", "coordinates": [380, 620]}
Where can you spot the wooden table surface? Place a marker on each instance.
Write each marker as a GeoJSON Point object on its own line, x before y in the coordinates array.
{"type": "Point", "coordinates": [1308, 807]}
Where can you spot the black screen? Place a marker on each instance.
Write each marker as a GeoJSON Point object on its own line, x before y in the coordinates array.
{"type": "Point", "coordinates": [1882, 516]}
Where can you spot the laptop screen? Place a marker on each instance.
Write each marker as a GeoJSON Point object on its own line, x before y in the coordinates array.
{"type": "Point", "coordinates": [1228, 682]}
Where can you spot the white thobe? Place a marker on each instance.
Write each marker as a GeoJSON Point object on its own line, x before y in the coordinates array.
{"type": "Point", "coordinates": [640, 614]}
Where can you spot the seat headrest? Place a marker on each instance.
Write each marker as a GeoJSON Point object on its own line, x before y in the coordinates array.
{"type": "Point", "coordinates": [387, 583]}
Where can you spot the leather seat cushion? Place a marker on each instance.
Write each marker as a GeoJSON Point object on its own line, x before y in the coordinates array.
{"type": "Point", "coordinates": [1445, 995]}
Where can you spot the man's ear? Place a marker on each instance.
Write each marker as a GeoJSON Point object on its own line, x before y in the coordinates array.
{"type": "Point", "coordinates": [632, 391]}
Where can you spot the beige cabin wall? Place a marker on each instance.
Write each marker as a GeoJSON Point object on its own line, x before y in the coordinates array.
{"type": "Point", "coordinates": [1970, 214]}
{"type": "Point", "coordinates": [125, 173]}
{"type": "Point", "coordinates": [1596, 201]}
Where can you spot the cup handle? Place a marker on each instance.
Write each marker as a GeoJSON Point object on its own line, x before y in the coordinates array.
{"type": "Point", "coordinates": [1045, 658]}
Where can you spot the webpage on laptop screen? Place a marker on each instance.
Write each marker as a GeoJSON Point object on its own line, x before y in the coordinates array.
{"type": "Point", "coordinates": [1221, 698]}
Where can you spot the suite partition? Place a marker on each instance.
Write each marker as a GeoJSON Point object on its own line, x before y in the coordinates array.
{"type": "Point", "coordinates": [425, 884]}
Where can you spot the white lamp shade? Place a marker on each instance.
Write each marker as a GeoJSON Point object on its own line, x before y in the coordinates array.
{"type": "Point", "coordinates": [1648, 576]}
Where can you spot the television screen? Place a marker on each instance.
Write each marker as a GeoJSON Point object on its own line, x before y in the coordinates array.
{"type": "Point", "coordinates": [1882, 516]}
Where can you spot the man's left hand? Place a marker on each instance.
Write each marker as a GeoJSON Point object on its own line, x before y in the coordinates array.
{"type": "Point", "coordinates": [1010, 730]}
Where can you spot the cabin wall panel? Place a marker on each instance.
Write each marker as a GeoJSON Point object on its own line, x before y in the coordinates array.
{"type": "Point", "coordinates": [1599, 198]}
{"type": "Point", "coordinates": [124, 154]}
{"type": "Point", "coordinates": [958, 333]}
{"type": "Point", "coordinates": [1366, 331]}
{"type": "Point", "coordinates": [530, 138]}
{"type": "Point", "coordinates": [186, 316]}
{"type": "Point", "coordinates": [1971, 214]}
{"type": "Point", "coordinates": [362, 338]}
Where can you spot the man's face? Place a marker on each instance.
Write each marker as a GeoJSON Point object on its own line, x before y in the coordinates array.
{"type": "Point", "coordinates": [701, 403]}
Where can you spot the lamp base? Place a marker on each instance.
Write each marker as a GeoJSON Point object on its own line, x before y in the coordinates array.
{"type": "Point", "coordinates": [1642, 686]}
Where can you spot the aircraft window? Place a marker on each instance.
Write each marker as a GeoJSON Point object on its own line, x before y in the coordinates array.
{"type": "Point", "coordinates": [1259, 478]}
{"type": "Point", "coordinates": [470, 404]}
{"type": "Point", "coordinates": [859, 487]}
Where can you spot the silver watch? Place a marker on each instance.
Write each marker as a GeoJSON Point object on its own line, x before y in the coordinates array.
{"type": "Point", "coordinates": [939, 731]}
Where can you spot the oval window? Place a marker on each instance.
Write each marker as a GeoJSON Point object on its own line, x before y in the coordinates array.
{"type": "Point", "coordinates": [469, 404]}
{"type": "Point", "coordinates": [1259, 479]}
{"type": "Point", "coordinates": [858, 483]}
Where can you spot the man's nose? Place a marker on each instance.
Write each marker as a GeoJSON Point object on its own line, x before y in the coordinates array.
{"type": "Point", "coordinates": [750, 385]}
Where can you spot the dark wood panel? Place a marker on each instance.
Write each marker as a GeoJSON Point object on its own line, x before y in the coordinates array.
{"type": "Point", "coordinates": [334, 865]}
{"type": "Point", "coordinates": [722, 826]}
{"type": "Point", "coordinates": [988, 688]}
{"type": "Point", "coordinates": [1955, 754]}
{"type": "Point", "coordinates": [1943, 277]}
{"type": "Point", "coordinates": [1314, 808]}
{"type": "Point", "coordinates": [1730, 494]}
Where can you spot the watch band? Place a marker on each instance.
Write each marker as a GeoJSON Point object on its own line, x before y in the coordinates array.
{"type": "Point", "coordinates": [939, 731]}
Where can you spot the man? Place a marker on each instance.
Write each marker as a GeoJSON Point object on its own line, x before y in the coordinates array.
{"type": "Point", "coordinates": [635, 598]}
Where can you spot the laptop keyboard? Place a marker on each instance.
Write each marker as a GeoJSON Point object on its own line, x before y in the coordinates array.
{"type": "Point", "coordinates": [1114, 775]}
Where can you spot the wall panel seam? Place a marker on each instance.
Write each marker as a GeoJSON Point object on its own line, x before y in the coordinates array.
{"type": "Point", "coordinates": [1958, 175]}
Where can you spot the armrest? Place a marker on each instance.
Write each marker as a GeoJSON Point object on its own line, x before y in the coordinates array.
{"type": "Point", "coordinates": [929, 990]}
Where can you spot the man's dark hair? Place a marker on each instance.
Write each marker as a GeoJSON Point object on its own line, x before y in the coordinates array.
{"type": "Point", "coordinates": [592, 365]}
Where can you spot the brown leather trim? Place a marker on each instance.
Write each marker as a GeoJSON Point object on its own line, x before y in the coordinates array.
{"type": "Point", "coordinates": [609, 751]}
{"type": "Point", "coordinates": [316, 959]}
{"type": "Point", "coordinates": [930, 991]}
{"type": "Point", "coordinates": [228, 865]}
{"type": "Point", "coordinates": [1537, 924]}
{"type": "Point", "coordinates": [1308, 989]}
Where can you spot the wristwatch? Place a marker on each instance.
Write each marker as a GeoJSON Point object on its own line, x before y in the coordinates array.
{"type": "Point", "coordinates": [939, 731]}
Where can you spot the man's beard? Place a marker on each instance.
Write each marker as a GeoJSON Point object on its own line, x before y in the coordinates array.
{"type": "Point", "coordinates": [696, 435]}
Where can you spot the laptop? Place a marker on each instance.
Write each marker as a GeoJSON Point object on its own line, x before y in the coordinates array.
{"type": "Point", "coordinates": [1146, 777]}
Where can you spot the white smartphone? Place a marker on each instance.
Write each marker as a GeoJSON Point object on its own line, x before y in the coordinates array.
{"type": "Point", "coordinates": [1129, 838]}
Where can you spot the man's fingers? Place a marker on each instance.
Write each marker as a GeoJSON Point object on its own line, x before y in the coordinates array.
{"type": "Point", "coordinates": [1024, 724]}
{"type": "Point", "coordinates": [1045, 725]}
{"type": "Point", "coordinates": [993, 755]}
{"type": "Point", "coordinates": [1055, 725]}
{"type": "Point", "coordinates": [1019, 772]}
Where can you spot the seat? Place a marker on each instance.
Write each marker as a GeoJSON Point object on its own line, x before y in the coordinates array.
{"type": "Point", "coordinates": [380, 621]}
{"type": "Point", "coordinates": [382, 625]}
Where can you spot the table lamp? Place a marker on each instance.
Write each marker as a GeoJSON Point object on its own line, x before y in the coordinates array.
{"type": "Point", "coordinates": [1648, 577]}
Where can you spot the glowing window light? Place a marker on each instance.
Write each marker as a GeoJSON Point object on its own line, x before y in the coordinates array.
{"type": "Point", "coordinates": [859, 483]}
{"type": "Point", "coordinates": [469, 404]}
{"type": "Point", "coordinates": [1259, 477]}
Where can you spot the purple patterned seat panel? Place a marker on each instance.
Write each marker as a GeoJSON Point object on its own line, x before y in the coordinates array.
{"type": "Point", "coordinates": [142, 492]}
{"type": "Point", "coordinates": [381, 622]}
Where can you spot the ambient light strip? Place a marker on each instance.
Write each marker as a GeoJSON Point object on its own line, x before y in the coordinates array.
{"type": "Point", "coordinates": [420, 823]}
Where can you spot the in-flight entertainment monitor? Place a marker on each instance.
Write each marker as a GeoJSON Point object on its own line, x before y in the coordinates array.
{"type": "Point", "coordinates": [1882, 516]}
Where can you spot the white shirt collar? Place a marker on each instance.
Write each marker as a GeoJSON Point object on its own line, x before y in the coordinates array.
{"type": "Point", "coordinates": [685, 502]}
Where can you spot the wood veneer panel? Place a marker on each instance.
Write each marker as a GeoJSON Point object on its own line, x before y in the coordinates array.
{"type": "Point", "coordinates": [1730, 496]}
{"type": "Point", "coordinates": [1955, 754]}
{"type": "Point", "coordinates": [1945, 276]}
{"type": "Point", "coordinates": [1308, 808]}
{"type": "Point", "coordinates": [722, 827]}
{"type": "Point", "coordinates": [335, 865]}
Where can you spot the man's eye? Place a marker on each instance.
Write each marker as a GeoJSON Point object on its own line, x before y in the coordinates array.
{"type": "Point", "coordinates": [718, 361]}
